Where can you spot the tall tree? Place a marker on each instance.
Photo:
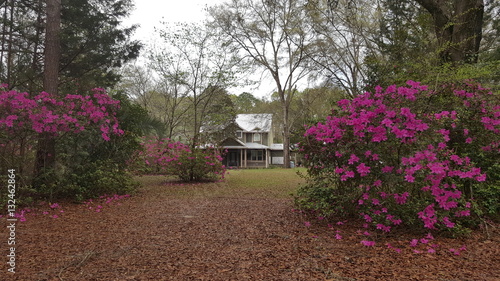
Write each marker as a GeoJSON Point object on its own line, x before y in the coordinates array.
{"type": "Point", "coordinates": [22, 39]}
{"type": "Point", "coordinates": [458, 26]}
{"type": "Point", "coordinates": [46, 151]}
{"type": "Point", "coordinates": [52, 47]}
{"type": "Point", "coordinates": [247, 103]}
{"type": "Point", "coordinates": [170, 95]}
{"type": "Point", "coordinates": [219, 113]}
{"type": "Point", "coordinates": [195, 69]}
{"type": "Point", "coordinates": [490, 42]}
{"type": "Point", "coordinates": [93, 43]}
{"type": "Point", "coordinates": [272, 36]}
{"type": "Point", "coordinates": [137, 82]}
{"type": "Point", "coordinates": [342, 37]}
{"type": "Point", "coordinates": [405, 44]}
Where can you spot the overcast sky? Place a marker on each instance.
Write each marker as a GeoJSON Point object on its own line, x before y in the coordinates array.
{"type": "Point", "coordinates": [150, 13]}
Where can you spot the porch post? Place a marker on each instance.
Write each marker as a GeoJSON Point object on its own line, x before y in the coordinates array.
{"type": "Point", "coordinates": [267, 158]}
{"type": "Point", "coordinates": [245, 156]}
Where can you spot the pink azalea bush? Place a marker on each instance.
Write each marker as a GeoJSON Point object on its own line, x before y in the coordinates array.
{"type": "Point", "coordinates": [81, 125]}
{"type": "Point", "coordinates": [167, 157]}
{"type": "Point", "coordinates": [21, 112]}
{"type": "Point", "coordinates": [407, 156]}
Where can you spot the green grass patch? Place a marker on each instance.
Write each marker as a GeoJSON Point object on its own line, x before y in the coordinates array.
{"type": "Point", "coordinates": [276, 183]}
{"type": "Point", "coordinates": [254, 183]}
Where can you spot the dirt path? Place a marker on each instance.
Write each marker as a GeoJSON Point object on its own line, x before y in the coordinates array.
{"type": "Point", "coordinates": [158, 235]}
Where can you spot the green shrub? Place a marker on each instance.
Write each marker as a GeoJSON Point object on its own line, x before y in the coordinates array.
{"type": "Point", "coordinates": [407, 155]}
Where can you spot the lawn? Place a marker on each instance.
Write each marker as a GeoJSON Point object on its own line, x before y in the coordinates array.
{"type": "Point", "coordinates": [265, 183]}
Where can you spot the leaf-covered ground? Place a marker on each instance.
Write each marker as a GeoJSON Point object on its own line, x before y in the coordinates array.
{"type": "Point", "coordinates": [240, 229]}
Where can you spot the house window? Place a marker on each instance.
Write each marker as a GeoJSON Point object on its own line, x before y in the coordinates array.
{"type": "Point", "coordinates": [239, 134]}
{"type": "Point", "coordinates": [256, 155]}
{"type": "Point", "coordinates": [256, 137]}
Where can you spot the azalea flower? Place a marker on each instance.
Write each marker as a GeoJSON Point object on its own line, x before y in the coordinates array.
{"type": "Point", "coordinates": [368, 243]}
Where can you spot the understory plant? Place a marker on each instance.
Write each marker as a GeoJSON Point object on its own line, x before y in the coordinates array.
{"type": "Point", "coordinates": [91, 145]}
{"type": "Point", "coordinates": [188, 163]}
{"type": "Point", "coordinates": [407, 156]}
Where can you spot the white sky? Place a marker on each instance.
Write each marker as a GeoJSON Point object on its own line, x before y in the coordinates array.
{"type": "Point", "coordinates": [150, 13]}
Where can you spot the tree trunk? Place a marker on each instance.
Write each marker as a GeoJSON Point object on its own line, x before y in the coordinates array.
{"type": "Point", "coordinates": [46, 152]}
{"type": "Point", "coordinates": [52, 47]}
{"type": "Point", "coordinates": [458, 28]}
{"type": "Point", "coordinates": [286, 136]}
{"type": "Point", "coordinates": [10, 51]}
{"type": "Point", "coordinates": [35, 63]}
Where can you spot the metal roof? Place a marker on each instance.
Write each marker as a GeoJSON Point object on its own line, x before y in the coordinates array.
{"type": "Point", "coordinates": [276, 146]}
{"type": "Point", "coordinates": [255, 122]}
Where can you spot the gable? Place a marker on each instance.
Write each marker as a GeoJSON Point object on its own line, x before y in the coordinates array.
{"type": "Point", "coordinates": [232, 142]}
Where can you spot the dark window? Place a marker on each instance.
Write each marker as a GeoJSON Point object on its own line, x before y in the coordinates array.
{"type": "Point", "coordinates": [256, 155]}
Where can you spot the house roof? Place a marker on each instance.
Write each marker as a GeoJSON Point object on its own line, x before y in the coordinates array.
{"type": "Point", "coordinates": [276, 146]}
{"type": "Point", "coordinates": [252, 145]}
{"type": "Point", "coordinates": [232, 143]}
{"type": "Point", "coordinates": [255, 122]}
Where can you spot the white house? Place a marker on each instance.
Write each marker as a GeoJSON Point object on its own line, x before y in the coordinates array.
{"type": "Point", "coordinates": [253, 144]}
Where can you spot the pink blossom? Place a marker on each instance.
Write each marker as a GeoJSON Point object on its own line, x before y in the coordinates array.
{"type": "Point", "coordinates": [414, 242]}
{"type": "Point", "coordinates": [446, 221]}
{"type": "Point", "coordinates": [464, 213]}
{"type": "Point", "coordinates": [387, 169]}
{"type": "Point", "coordinates": [368, 243]}
{"type": "Point", "coordinates": [353, 159]}
{"type": "Point", "coordinates": [54, 206]}
{"type": "Point", "coordinates": [346, 175]}
{"type": "Point", "coordinates": [362, 169]}
{"type": "Point", "coordinates": [401, 199]}
{"type": "Point", "coordinates": [481, 177]}
{"type": "Point", "coordinates": [383, 227]}
{"type": "Point", "coordinates": [409, 178]}
{"type": "Point", "coordinates": [367, 218]}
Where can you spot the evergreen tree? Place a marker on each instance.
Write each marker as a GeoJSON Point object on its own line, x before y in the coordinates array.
{"type": "Point", "coordinates": [93, 44]}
